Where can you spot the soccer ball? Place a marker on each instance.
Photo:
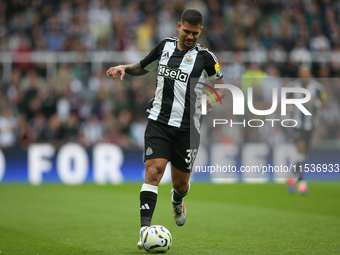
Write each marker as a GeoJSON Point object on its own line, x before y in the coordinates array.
{"type": "Point", "coordinates": [157, 239]}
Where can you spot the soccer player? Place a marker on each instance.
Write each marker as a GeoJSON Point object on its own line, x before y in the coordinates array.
{"type": "Point", "coordinates": [174, 113]}
{"type": "Point", "coordinates": [302, 133]}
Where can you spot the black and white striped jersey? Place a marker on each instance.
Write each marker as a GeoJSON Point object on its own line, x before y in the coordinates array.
{"type": "Point", "coordinates": [177, 82]}
{"type": "Point", "coordinates": [318, 95]}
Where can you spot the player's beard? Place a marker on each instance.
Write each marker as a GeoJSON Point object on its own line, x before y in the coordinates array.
{"type": "Point", "coordinates": [188, 44]}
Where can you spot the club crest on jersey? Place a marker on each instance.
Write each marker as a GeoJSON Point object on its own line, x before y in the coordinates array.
{"type": "Point", "coordinates": [149, 151]}
{"type": "Point", "coordinates": [188, 60]}
{"type": "Point", "coordinates": [174, 74]}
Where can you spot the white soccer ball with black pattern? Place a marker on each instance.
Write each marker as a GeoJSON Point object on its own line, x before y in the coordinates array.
{"type": "Point", "coordinates": [157, 239]}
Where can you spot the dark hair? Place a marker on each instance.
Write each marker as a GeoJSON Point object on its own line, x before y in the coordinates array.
{"type": "Point", "coordinates": [192, 17]}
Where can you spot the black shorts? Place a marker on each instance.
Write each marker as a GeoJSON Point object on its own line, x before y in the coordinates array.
{"type": "Point", "coordinates": [300, 134]}
{"type": "Point", "coordinates": [174, 144]}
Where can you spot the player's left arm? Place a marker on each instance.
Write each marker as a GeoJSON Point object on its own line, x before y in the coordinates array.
{"type": "Point", "coordinates": [220, 91]}
{"type": "Point", "coordinates": [213, 70]}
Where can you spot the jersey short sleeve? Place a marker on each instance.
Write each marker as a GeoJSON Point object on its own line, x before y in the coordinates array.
{"type": "Point", "coordinates": [150, 62]}
{"type": "Point", "coordinates": [211, 66]}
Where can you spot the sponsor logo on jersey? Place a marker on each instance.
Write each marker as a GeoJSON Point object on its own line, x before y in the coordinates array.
{"type": "Point", "coordinates": [174, 74]}
{"type": "Point", "coordinates": [149, 151]}
{"type": "Point", "coordinates": [188, 60]}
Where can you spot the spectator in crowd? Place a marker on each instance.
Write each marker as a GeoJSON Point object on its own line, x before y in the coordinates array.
{"type": "Point", "coordinates": [8, 123]}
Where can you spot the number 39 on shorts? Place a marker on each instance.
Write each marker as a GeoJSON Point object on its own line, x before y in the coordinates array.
{"type": "Point", "coordinates": [190, 157]}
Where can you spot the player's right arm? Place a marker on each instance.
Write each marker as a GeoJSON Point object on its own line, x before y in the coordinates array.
{"type": "Point", "coordinates": [146, 65]}
{"type": "Point", "coordinates": [133, 69]}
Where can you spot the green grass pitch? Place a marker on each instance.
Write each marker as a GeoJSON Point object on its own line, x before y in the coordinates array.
{"type": "Point", "coordinates": [222, 219]}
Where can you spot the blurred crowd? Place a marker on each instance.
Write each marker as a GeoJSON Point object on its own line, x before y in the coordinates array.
{"type": "Point", "coordinates": [77, 104]}
{"type": "Point", "coordinates": [116, 25]}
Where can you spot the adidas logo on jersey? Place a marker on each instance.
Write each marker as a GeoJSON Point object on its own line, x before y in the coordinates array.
{"type": "Point", "coordinates": [165, 55]}
{"type": "Point", "coordinates": [145, 206]}
{"type": "Point", "coordinates": [177, 74]}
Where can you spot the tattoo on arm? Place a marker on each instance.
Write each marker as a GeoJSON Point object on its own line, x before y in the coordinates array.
{"type": "Point", "coordinates": [135, 69]}
{"type": "Point", "coordinates": [221, 92]}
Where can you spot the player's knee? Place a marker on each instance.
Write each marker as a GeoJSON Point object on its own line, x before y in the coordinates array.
{"type": "Point", "coordinates": [180, 186]}
{"type": "Point", "coordinates": [153, 175]}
